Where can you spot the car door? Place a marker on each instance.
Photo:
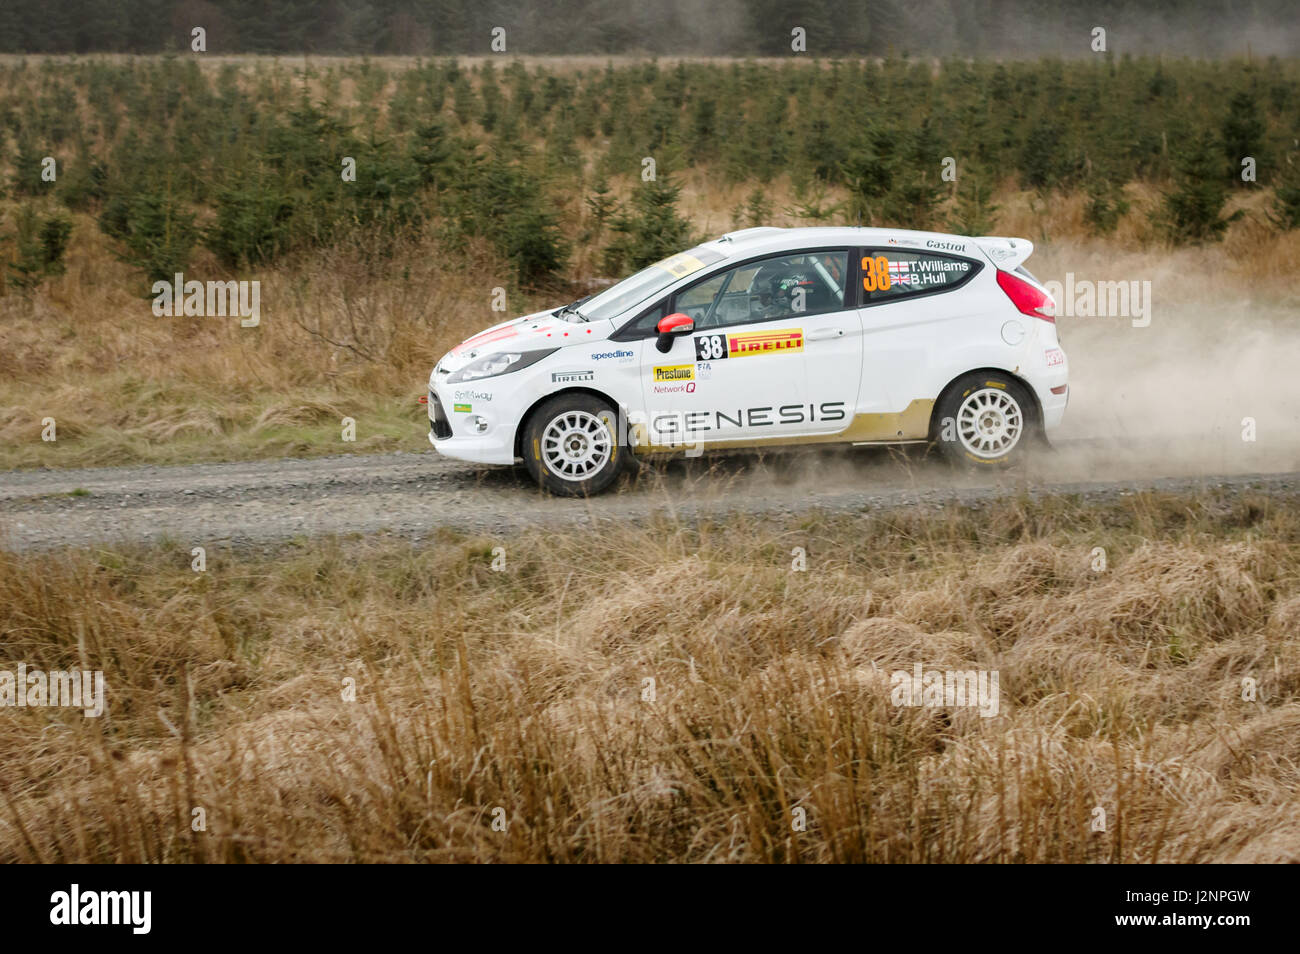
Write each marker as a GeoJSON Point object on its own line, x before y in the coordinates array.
{"type": "Point", "coordinates": [776, 354]}
{"type": "Point", "coordinates": [832, 344]}
{"type": "Point", "coordinates": [912, 312]}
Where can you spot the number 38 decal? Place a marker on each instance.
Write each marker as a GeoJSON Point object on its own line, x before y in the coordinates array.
{"type": "Point", "coordinates": [875, 273]}
{"type": "Point", "coordinates": [710, 347]}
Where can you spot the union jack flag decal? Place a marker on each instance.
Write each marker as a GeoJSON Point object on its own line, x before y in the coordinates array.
{"type": "Point", "coordinates": [900, 273]}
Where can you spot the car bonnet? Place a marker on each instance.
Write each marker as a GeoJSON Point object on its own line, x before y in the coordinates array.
{"type": "Point", "coordinates": [529, 333]}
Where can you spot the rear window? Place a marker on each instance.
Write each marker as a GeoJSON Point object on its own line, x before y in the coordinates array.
{"type": "Point", "coordinates": [889, 273]}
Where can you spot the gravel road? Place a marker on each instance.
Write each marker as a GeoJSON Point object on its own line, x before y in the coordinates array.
{"type": "Point", "coordinates": [413, 494]}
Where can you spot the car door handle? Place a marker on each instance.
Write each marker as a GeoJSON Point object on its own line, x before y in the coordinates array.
{"type": "Point", "coordinates": [821, 334]}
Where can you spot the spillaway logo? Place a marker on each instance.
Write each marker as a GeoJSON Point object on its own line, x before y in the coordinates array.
{"type": "Point", "coordinates": [103, 907]}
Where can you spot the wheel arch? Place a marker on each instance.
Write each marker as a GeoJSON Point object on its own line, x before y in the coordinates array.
{"type": "Point", "coordinates": [532, 409]}
{"type": "Point", "coordinates": [1035, 408]}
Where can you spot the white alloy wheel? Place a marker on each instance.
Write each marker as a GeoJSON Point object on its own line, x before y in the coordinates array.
{"type": "Point", "coordinates": [989, 423]}
{"type": "Point", "coordinates": [576, 445]}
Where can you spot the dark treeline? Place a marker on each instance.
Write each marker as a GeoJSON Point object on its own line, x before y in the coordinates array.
{"type": "Point", "coordinates": [702, 27]}
{"type": "Point", "coordinates": [249, 160]}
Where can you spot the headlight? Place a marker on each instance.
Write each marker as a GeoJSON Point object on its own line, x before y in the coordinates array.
{"type": "Point", "coordinates": [503, 363]}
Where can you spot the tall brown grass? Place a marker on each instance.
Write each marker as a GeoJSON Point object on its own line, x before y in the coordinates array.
{"type": "Point", "coordinates": [522, 695]}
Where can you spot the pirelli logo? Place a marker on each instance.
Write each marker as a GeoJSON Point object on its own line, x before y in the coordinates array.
{"type": "Point", "coordinates": [765, 342]}
{"type": "Point", "coordinates": [676, 372]}
{"type": "Point", "coordinates": [777, 341]}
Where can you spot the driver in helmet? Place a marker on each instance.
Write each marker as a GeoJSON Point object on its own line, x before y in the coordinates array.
{"type": "Point", "coordinates": [780, 289]}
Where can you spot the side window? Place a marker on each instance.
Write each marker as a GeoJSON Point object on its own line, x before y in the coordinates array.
{"type": "Point", "coordinates": [782, 287]}
{"type": "Point", "coordinates": [889, 273]}
{"type": "Point", "coordinates": [697, 301]}
{"type": "Point", "coordinates": [646, 325]}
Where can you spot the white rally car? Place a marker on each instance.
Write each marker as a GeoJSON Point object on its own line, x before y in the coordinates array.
{"type": "Point", "coordinates": [766, 337]}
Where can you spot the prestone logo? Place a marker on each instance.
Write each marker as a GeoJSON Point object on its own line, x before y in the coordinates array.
{"type": "Point", "coordinates": [35, 688]}
{"type": "Point", "coordinates": [676, 372]}
{"type": "Point", "coordinates": [103, 907]}
{"type": "Point", "coordinates": [941, 688]}
{"type": "Point", "coordinates": [215, 300]}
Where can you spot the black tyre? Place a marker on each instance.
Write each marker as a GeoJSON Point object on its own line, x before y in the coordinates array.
{"type": "Point", "coordinates": [985, 419]}
{"type": "Point", "coordinates": [571, 445]}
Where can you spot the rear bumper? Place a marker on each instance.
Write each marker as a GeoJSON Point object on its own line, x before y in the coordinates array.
{"type": "Point", "coordinates": [1053, 406]}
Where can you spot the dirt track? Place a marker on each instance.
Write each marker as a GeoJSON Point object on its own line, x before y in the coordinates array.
{"type": "Point", "coordinates": [414, 494]}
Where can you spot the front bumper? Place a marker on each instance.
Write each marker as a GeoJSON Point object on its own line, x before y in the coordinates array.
{"type": "Point", "coordinates": [452, 435]}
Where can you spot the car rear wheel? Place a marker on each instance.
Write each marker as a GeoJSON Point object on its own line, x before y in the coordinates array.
{"type": "Point", "coordinates": [985, 419]}
{"type": "Point", "coordinates": [571, 445]}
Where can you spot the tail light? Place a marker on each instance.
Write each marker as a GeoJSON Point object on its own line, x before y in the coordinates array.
{"type": "Point", "coordinates": [1028, 300]}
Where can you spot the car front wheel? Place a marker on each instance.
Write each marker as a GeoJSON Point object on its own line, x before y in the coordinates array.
{"type": "Point", "coordinates": [571, 445]}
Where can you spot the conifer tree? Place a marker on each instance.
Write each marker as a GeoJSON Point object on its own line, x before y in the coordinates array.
{"type": "Point", "coordinates": [1193, 211]}
{"type": "Point", "coordinates": [651, 230]}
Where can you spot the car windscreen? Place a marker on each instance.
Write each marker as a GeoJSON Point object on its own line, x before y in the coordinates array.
{"type": "Point", "coordinates": [647, 283]}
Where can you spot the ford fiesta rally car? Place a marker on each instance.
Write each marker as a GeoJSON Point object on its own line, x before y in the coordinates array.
{"type": "Point", "coordinates": [767, 337]}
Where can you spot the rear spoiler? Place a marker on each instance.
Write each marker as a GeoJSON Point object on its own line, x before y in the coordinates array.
{"type": "Point", "coordinates": [1006, 253]}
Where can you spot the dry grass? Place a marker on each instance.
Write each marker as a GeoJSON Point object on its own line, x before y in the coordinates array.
{"type": "Point", "coordinates": [343, 333]}
{"type": "Point", "coordinates": [524, 691]}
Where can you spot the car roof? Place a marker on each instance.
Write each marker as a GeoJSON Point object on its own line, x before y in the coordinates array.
{"type": "Point", "coordinates": [757, 241]}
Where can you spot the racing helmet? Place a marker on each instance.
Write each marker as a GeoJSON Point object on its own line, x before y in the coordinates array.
{"type": "Point", "coordinates": [774, 286]}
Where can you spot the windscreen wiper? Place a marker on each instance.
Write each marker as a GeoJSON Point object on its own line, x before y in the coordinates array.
{"type": "Point", "coordinates": [572, 309]}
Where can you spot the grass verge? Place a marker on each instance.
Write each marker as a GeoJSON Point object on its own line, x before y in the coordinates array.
{"type": "Point", "coordinates": [676, 693]}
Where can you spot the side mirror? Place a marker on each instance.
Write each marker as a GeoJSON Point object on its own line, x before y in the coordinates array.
{"type": "Point", "coordinates": [673, 326]}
